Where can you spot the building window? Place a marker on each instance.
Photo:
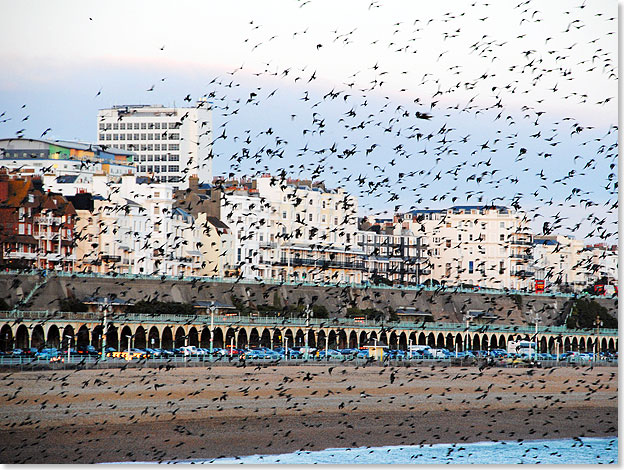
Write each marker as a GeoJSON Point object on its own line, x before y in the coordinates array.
{"type": "Point", "coordinates": [143, 125]}
{"type": "Point", "coordinates": [174, 168]}
{"type": "Point", "coordinates": [470, 267]}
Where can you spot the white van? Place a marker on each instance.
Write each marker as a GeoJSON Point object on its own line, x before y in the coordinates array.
{"type": "Point", "coordinates": [189, 350]}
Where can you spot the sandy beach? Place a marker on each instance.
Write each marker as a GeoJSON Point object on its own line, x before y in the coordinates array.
{"type": "Point", "coordinates": [154, 414]}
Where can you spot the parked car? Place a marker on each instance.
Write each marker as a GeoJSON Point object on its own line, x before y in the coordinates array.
{"type": "Point", "coordinates": [48, 354]}
{"type": "Point", "coordinates": [307, 352]}
{"type": "Point", "coordinates": [362, 354]}
{"type": "Point", "coordinates": [349, 353]}
{"type": "Point", "coordinates": [261, 353]}
{"type": "Point", "coordinates": [397, 354]}
{"type": "Point", "coordinates": [330, 354]}
{"type": "Point", "coordinates": [17, 352]}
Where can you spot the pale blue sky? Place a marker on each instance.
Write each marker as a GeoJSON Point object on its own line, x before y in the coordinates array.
{"type": "Point", "coordinates": [545, 67]}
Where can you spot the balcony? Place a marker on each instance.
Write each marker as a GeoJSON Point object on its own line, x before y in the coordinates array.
{"type": "Point", "coordinates": [20, 255]}
{"type": "Point", "coordinates": [520, 256]}
{"type": "Point", "coordinates": [266, 244]}
{"type": "Point", "coordinates": [521, 243]}
{"type": "Point", "coordinates": [48, 220]}
{"type": "Point", "coordinates": [111, 258]}
{"type": "Point", "coordinates": [321, 263]}
{"type": "Point", "coordinates": [523, 274]}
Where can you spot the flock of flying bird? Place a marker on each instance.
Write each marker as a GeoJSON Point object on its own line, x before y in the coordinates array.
{"type": "Point", "coordinates": [445, 134]}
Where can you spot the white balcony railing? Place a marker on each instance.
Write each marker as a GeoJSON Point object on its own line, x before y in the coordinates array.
{"type": "Point", "coordinates": [48, 220]}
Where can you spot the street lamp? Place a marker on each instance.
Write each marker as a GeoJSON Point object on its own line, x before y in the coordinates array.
{"type": "Point", "coordinates": [537, 319]}
{"type": "Point", "coordinates": [69, 338]}
{"type": "Point", "coordinates": [307, 334]}
{"type": "Point", "coordinates": [104, 307]}
{"type": "Point", "coordinates": [212, 311]}
{"type": "Point", "coordinates": [597, 323]}
{"type": "Point", "coordinates": [466, 336]}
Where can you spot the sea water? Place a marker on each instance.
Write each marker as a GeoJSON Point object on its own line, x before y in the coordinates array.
{"type": "Point", "coordinates": [586, 450]}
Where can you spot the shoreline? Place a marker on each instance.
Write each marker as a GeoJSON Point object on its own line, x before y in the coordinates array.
{"type": "Point", "coordinates": [208, 413]}
{"type": "Point", "coordinates": [374, 448]}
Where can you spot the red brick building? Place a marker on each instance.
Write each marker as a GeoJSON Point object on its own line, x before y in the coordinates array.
{"type": "Point", "coordinates": [36, 228]}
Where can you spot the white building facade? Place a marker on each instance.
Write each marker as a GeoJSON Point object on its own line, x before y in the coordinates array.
{"type": "Point", "coordinates": [393, 253]}
{"type": "Point", "coordinates": [171, 143]}
{"type": "Point", "coordinates": [485, 246]}
{"type": "Point", "coordinates": [135, 229]}
{"type": "Point", "coordinates": [561, 262]}
{"type": "Point", "coordinates": [291, 230]}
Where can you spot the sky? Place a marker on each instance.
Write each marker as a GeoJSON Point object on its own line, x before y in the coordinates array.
{"type": "Point", "coordinates": [405, 104]}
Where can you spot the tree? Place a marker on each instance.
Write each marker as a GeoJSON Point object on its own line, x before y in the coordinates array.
{"type": "Point", "coordinates": [162, 308]}
{"type": "Point", "coordinates": [320, 311]}
{"type": "Point", "coordinates": [584, 313]}
{"type": "Point", "coordinates": [71, 304]}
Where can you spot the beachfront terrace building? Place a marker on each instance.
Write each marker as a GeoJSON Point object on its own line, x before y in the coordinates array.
{"type": "Point", "coordinates": [561, 262]}
{"type": "Point", "coordinates": [171, 143]}
{"type": "Point", "coordinates": [36, 227]}
{"type": "Point", "coordinates": [312, 231]}
{"type": "Point", "coordinates": [486, 246]}
{"type": "Point", "coordinates": [135, 228]}
{"type": "Point", "coordinates": [603, 263]}
{"type": "Point", "coordinates": [394, 254]}
{"type": "Point", "coordinates": [286, 229]}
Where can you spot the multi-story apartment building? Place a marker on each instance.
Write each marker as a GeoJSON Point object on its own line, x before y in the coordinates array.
{"type": "Point", "coordinates": [487, 246]}
{"type": "Point", "coordinates": [135, 228]}
{"type": "Point", "coordinates": [242, 210]}
{"type": "Point", "coordinates": [561, 262]}
{"type": "Point", "coordinates": [36, 228]}
{"type": "Point", "coordinates": [66, 168]}
{"type": "Point", "coordinates": [172, 144]}
{"type": "Point", "coordinates": [312, 231]}
{"type": "Point", "coordinates": [602, 263]}
{"type": "Point", "coordinates": [393, 253]}
{"type": "Point", "coordinates": [284, 229]}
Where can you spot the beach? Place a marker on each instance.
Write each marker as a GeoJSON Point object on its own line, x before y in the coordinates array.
{"type": "Point", "coordinates": [155, 414]}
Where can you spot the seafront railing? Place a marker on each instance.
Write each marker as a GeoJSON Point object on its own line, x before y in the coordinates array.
{"type": "Point", "coordinates": [294, 322]}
